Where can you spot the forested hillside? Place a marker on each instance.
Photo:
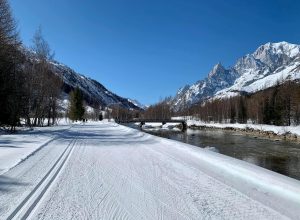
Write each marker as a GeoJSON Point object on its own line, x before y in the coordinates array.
{"type": "Point", "coordinates": [279, 105]}
{"type": "Point", "coordinates": [33, 84]}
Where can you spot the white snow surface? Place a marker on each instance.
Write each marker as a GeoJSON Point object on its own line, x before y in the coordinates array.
{"type": "Point", "coordinates": [108, 171]}
{"type": "Point", "coordinates": [279, 130]}
{"type": "Point", "coordinates": [159, 126]}
{"type": "Point", "coordinates": [15, 148]}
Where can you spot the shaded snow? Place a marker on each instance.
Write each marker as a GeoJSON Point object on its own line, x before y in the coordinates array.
{"type": "Point", "coordinates": [114, 172]}
{"type": "Point", "coordinates": [16, 147]}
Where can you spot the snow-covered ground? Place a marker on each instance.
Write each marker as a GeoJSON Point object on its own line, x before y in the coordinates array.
{"type": "Point", "coordinates": [108, 171]}
{"type": "Point", "coordinates": [279, 130]}
{"type": "Point", "coordinates": [15, 148]}
{"type": "Point", "coordinates": [159, 126]}
{"type": "Point", "coordinates": [270, 64]}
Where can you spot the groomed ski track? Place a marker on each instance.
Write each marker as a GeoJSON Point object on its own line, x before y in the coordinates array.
{"type": "Point", "coordinates": [108, 171]}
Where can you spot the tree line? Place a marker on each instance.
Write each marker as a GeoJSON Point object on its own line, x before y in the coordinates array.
{"type": "Point", "coordinates": [279, 105]}
{"type": "Point", "coordinates": [160, 111]}
{"type": "Point", "coordinates": [29, 88]}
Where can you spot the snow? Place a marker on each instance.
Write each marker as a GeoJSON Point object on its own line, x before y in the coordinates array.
{"type": "Point", "coordinates": [270, 63]}
{"type": "Point", "coordinates": [15, 148]}
{"type": "Point", "coordinates": [137, 103]}
{"type": "Point", "coordinates": [283, 47]}
{"type": "Point", "coordinates": [279, 130]}
{"type": "Point", "coordinates": [107, 171]}
{"type": "Point", "coordinates": [260, 82]}
{"type": "Point", "coordinates": [88, 86]}
{"type": "Point", "coordinates": [64, 105]}
{"type": "Point", "coordinates": [155, 126]}
{"type": "Point", "coordinates": [89, 109]}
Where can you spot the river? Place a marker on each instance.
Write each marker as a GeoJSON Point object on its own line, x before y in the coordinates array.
{"type": "Point", "coordinates": [280, 156]}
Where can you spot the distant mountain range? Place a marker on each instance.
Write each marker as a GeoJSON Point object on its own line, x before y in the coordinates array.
{"type": "Point", "coordinates": [92, 90]}
{"type": "Point", "coordinates": [269, 64]}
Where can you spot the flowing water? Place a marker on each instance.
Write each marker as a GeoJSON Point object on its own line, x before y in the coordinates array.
{"type": "Point", "coordinates": [279, 156]}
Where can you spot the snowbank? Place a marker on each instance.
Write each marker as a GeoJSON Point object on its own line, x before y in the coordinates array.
{"type": "Point", "coordinates": [278, 130]}
{"type": "Point", "coordinates": [280, 192]}
{"type": "Point", "coordinates": [159, 126]}
{"type": "Point", "coordinates": [116, 172]}
{"type": "Point", "coordinates": [17, 147]}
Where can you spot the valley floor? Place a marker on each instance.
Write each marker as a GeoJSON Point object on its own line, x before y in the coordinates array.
{"type": "Point", "coordinates": [108, 171]}
{"type": "Point", "coordinates": [291, 133]}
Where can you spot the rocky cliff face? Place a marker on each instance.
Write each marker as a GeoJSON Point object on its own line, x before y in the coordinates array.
{"type": "Point", "coordinates": [93, 91]}
{"type": "Point", "coordinates": [270, 64]}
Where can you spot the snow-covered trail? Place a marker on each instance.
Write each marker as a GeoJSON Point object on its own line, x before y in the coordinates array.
{"type": "Point", "coordinates": [108, 171]}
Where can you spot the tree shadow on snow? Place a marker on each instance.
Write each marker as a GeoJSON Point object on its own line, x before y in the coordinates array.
{"type": "Point", "coordinates": [7, 184]}
{"type": "Point", "coordinates": [107, 137]}
{"type": "Point", "coordinates": [12, 143]}
{"type": "Point", "coordinates": [9, 146]}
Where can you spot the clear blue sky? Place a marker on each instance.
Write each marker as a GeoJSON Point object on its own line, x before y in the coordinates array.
{"type": "Point", "coordinates": [149, 49]}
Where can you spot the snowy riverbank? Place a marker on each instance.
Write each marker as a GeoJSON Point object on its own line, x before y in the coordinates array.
{"type": "Point", "coordinates": [154, 126]}
{"type": "Point", "coordinates": [261, 130]}
{"type": "Point", "coordinates": [125, 173]}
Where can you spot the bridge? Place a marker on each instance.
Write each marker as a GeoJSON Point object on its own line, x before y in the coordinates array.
{"type": "Point", "coordinates": [163, 121]}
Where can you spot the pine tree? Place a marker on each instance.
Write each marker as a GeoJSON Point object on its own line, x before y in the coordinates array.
{"type": "Point", "coordinates": [76, 109]}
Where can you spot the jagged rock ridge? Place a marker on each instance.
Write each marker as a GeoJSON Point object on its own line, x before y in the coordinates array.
{"type": "Point", "coordinates": [269, 64]}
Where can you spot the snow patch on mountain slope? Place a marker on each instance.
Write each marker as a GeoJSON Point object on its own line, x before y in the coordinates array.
{"type": "Point", "coordinates": [269, 64]}
{"type": "Point", "coordinates": [93, 91]}
{"type": "Point", "coordinates": [137, 103]}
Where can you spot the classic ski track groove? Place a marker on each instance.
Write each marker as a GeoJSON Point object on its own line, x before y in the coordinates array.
{"type": "Point", "coordinates": [51, 140]}
{"type": "Point", "coordinates": [105, 171]}
{"type": "Point", "coordinates": [52, 174]}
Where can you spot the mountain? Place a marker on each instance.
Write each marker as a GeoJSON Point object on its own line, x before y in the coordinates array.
{"type": "Point", "coordinates": [137, 103]}
{"type": "Point", "coordinates": [218, 79]}
{"type": "Point", "coordinates": [269, 64]}
{"type": "Point", "coordinates": [93, 91]}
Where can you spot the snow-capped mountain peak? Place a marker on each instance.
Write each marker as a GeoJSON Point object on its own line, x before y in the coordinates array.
{"type": "Point", "coordinates": [218, 69]}
{"type": "Point", "coordinates": [290, 50]}
{"type": "Point", "coordinates": [276, 54]}
{"type": "Point", "coordinates": [253, 72]}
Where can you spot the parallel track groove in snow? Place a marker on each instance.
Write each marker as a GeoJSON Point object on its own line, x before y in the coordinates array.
{"type": "Point", "coordinates": [107, 171]}
{"type": "Point", "coordinates": [37, 149]}
{"type": "Point", "coordinates": [30, 202]}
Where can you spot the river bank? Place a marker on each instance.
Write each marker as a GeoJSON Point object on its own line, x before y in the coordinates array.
{"type": "Point", "coordinates": [279, 156]}
{"type": "Point", "coordinates": [135, 175]}
{"type": "Point", "coordinates": [272, 132]}
{"type": "Point", "coordinates": [278, 133]}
